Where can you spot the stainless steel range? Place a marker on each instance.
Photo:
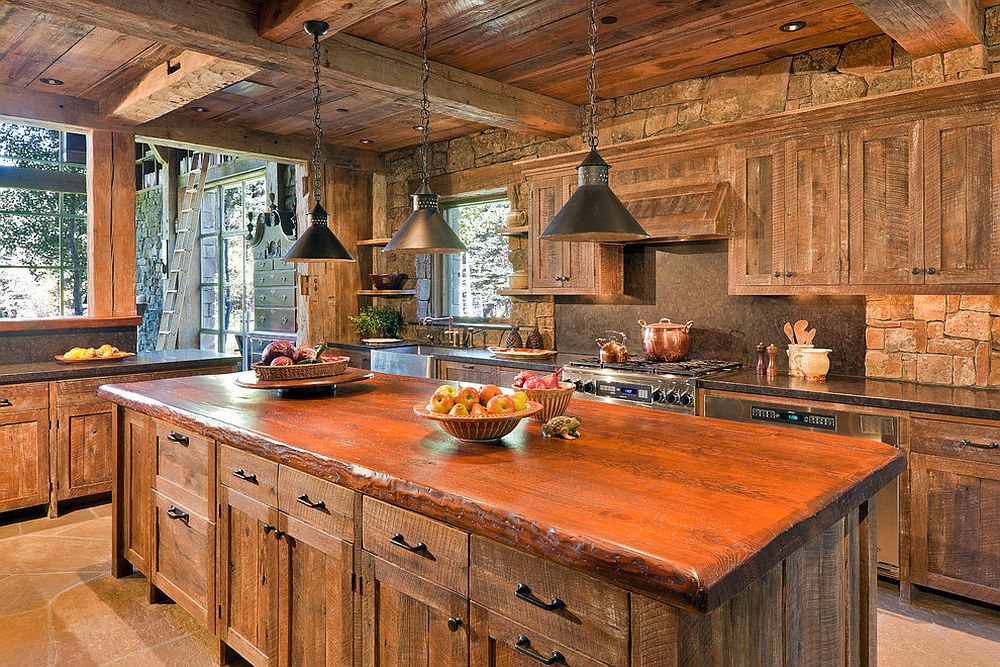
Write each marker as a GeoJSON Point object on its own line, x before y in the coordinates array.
{"type": "Point", "coordinates": [665, 385]}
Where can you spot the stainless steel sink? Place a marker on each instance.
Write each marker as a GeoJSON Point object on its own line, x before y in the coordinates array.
{"type": "Point", "coordinates": [411, 360]}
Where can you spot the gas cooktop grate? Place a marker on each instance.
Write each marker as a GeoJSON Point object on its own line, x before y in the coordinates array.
{"type": "Point", "coordinates": [689, 367]}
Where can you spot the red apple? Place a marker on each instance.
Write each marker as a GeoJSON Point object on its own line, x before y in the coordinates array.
{"type": "Point", "coordinates": [500, 404]}
{"type": "Point", "coordinates": [467, 396]}
{"type": "Point", "coordinates": [459, 410]}
{"type": "Point", "coordinates": [488, 392]}
{"type": "Point", "coordinates": [441, 402]}
{"type": "Point", "coordinates": [448, 388]}
{"type": "Point", "coordinates": [479, 411]}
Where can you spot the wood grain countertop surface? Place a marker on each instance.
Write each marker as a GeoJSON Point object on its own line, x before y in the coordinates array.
{"type": "Point", "coordinates": [685, 509]}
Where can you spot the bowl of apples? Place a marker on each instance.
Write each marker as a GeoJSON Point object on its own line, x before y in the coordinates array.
{"type": "Point", "coordinates": [477, 414]}
{"type": "Point", "coordinates": [547, 390]}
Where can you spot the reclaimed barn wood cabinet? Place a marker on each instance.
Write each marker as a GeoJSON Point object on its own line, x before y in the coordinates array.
{"type": "Point", "coordinates": [460, 371]}
{"type": "Point", "coordinates": [24, 445]}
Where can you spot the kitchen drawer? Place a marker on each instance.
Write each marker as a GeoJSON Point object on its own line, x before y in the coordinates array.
{"type": "Point", "coordinates": [500, 641]}
{"type": "Point", "coordinates": [276, 278]}
{"type": "Point", "coordinates": [184, 558]}
{"type": "Point", "coordinates": [587, 615]}
{"type": "Point", "coordinates": [317, 502]}
{"type": "Point", "coordinates": [428, 548]}
{"type": "Point", "coordinates": [16, 397]}
{"type": "Point", "coordinates": [249, 474]}
{"type": "Point", "coordinates": [358, 358]}
{"type": "Point", "coordinates": [275, 319]}
{"type": "Point", "coordinates": [276, 296]}
{"type": "Point", "coordinates": [262, 265]}
{"type": "Point", "coordinates": [185, 467]}
{"type": "Point", "coordinates": [951, 439]}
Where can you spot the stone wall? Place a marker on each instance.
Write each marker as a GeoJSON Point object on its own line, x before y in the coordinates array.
{"type": "Point", "coordinates": [148, 263]}
{"type": "Point", "coordinates": [952, 340]}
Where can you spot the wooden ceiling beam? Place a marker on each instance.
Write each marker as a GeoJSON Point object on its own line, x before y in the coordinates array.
{"type": "Point", "coordinates": [347, 62]}
{"type": "Point", "coordinates": [281, 20]}
{"type": "Point", "coordinates": [26, 105]}
{"type": "Point", "coordinates": [925, 27]}
{"type": "Point", "coordinates": [174, 84]}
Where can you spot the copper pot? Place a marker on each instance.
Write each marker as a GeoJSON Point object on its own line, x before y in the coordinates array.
{"type": "Point", "coordinates": [665, 341]}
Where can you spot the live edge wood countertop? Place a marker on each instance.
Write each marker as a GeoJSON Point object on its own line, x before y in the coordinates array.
{"type": "Point", "coordinates": [685, 509]}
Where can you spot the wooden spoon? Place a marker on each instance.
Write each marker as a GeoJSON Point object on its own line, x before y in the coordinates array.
{"type": "Point", "coordinates": [800, 331]}
{"type": "Point", "coordinates": [810, 335]}
{"type": "Point", "coordinates": [789, 333]}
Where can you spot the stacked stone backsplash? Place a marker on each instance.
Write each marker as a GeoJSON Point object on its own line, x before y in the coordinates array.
{"type": "Point", "coordinates": [871, 66]}
{"type": "Point", "coordinates": [950, 340]}
{"type": "Point", "coordinates": [149, 263]}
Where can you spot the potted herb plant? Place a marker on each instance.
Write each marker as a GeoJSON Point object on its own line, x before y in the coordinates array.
{"type": "Point", "coordinates": [378, 322]}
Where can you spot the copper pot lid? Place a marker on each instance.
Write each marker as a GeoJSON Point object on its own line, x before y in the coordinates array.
{"type": "Point", "coordinates": [665, 323]}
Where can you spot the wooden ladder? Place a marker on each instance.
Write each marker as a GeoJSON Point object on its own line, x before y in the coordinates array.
{"type": "Point", "coordinates": [185, 247]}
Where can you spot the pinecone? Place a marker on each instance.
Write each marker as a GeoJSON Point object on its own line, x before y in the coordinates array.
{"type": "Point", "coordinates": [513, 338]}
{"type": "Point", "coordinates": [534, 340]}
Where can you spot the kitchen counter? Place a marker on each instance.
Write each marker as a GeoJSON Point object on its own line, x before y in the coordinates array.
{"type": "Point", "coordinates": [144, 362]}
{"type": "Point", "coordinates": [470, 355]}
{"type": "Point", "coordinates": [677, 507]}
{"type": "Point", "coordinates": [889, 394]}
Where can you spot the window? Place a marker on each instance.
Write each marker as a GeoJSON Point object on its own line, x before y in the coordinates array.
{"type": "Point", "coordinates": [466, 283]}
{"type": "Point", "coordinates": [43, 222]}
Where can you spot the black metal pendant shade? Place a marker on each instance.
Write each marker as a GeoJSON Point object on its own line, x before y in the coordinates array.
{"type": "Point", "coordinates": [594, 212]}
{"type": "Point", "coordinates": [318, 243]}
{"type": "Point", "coordinates": [425, 231]}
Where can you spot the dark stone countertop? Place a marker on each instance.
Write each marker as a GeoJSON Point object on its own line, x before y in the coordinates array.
{"type": "Point", "coordinates": [890, 394]}
{"type": "Point", "coordinates": [144, 362]}
{"type": "Point", "coordinates": [472, 356]}
{"type": "Point", "coordinates": [355, 345]}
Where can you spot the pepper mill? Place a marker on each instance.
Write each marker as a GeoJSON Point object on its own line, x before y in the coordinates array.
{"type": "Point", "coordinates": [772, 360]}
{"type": "Point", "coordinates": [761, 359]}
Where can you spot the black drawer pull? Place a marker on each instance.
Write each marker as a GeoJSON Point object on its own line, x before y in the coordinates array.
{"type": "Point", "coordinates": [454, 623]}
{"type": "Point", "coordinates": [304, 499]}
{"type": "Point", "coordinates": [251, 477]}
{"type": "Point", "coordinates": [523, 646]}
{"type": "Point", "coordinates": [5, 403]}
{"type": "Point", "coordinates": [401, 542]}
{"type": "Point", "coordinates": [524, 592]}
{"type": "Point", "coordinates": [178, 438]}
{"type": "Point", "coordinates": [979, 445]}
{"type": "Point", "coordinates": [177, 513]}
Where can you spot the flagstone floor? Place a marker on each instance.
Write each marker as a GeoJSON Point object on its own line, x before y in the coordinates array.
{"type": "Point", "coordinates": [59, 605]}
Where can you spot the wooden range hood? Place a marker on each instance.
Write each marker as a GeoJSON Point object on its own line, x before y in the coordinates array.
{"type": "Point", "coordinates": [682, 213]}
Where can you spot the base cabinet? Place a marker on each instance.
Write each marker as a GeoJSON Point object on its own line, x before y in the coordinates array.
{"type": "Point", "coordinates": [184, 558]}
{"type": "Point", "coordinates": [83, 451]}
{"type": "Point", "coordinates": [24, 458]}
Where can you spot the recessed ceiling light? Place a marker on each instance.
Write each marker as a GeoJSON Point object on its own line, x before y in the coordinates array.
{"type": "Point", "coordinates": [418, 128]}
{"type": "Point", "coordinates": [199, 109]}
{"type": "Point", "coordinates": [792, 26]}
{"type": "Point", "coordinates": [342, 110]}
{"type": "Point", "coordinates": [51, 82]}
{"type": "Point", "coordinates": [367, 141]}
{"type": "Point", "coordinates": [608, 20]}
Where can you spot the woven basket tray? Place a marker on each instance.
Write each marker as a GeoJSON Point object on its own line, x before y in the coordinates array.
{"type": "Point", "coordinates": [303, 371]}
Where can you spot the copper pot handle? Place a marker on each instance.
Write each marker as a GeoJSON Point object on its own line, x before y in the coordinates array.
{"type": "Point", "coordinates": [688, 325]}
{"type": "Point", "coordinates": [642, 323]}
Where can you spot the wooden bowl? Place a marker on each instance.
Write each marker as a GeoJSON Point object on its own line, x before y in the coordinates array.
{"type": "Point", "coordinates": [335, 366]}
{"type": "Point", "coordinates": [478, 429]}
{"type": "Point", "coordinates": [387, 281]}
{"type": "Point", "coordinates": [554, 402]}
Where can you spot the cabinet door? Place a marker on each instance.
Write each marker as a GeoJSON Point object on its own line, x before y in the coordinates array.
{"type": "Point", "coordinates": [248, 577]}
{"type": "Point", "coordinates": [546, 257]}
{"type": "Point", "coordinates": [24, 459]}
{"type": "Point", "coordinates": [500, 642]}
{"type": "Point", "coordinates": [955, 525]}
{"type": "Point", "coordinates": [504, 377]}
{"type": "Point", "coordinates": [410, 622]}
{"type": "Point", "coordinates": [756, 252]}
{"type": "Point", "coordinates": [136, 476]}
{"type": "Point", "coordinates": [962, 209]}
{"type": "Point", "coordinates": [812, 231]}
{"type": "Point", "coordinates": [456, 371]}
{"type": "Point", "coordinates": [316, 593]}
{"type": "Point", "coordinates": [83, 454]}
{"type": "Point", "coordinates": [885, 195]}
{"type": "Point", "coordinates": [184, 558]}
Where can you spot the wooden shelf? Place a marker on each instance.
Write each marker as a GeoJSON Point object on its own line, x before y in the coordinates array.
{"type": "Point", "coordinates": [388, 293]}
{"type": "Point", "coordinates": [514, 231]}
{"type": "Point", "coordinates": [373, 242]}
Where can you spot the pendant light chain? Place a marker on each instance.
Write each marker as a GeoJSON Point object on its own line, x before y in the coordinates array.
{"type": "Point", "coordinates": [317, 127]}
{"type": "Point", "coordinates": [425, 105]}
{"type": "Point", "coordinates": [592, 78]}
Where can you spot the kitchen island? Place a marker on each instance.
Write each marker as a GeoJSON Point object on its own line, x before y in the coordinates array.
{"type": "Point", "coordinates": [654, 539]}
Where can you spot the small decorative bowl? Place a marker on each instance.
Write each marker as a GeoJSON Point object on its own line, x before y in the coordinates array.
{"type": "Point", "coordinates": [478, 429]}
{"type": "Point", "coordinates": [554, 402]}
{"type": "Point", "coordinates": [387, 281]}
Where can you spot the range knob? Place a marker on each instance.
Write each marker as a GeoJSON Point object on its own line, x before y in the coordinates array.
{"type": "Point", "coordinates": [687, 400]}
{"type": "Point", "coordinates": [672, 397]}
{"type": "Point", "coordinates": [658, 396]}
{"type": "Point", "coordinates": [589, 386]}
{"type": "Point", "coordinates": [578, 384]}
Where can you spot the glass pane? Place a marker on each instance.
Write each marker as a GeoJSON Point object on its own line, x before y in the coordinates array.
{"type": "Point", "coordinates": [24, 145]}
{"type": "Point", "coordinates": [232, 307]}
{"type": "Point", "coordinates": [255, 198]}
{"type": "Point", "coordinates": [233, 343]}
{"type": "Point", "coordinates": [30, 201]}
{"type": "Point", "coordinates": [236, 262]}
{"type": "Point", "coordinates": [209, 308]}
{"type": "Point", "coordinates": [74, 292]}
{"type": "Point", "coordinates": [75, 204]}
{"type": "Point", "coordinates": [208, 341]}
{"type": "Point", "coordinates": [74, 244]}
{"type": "Point", "coordinates": [232, 208]}
{"type": "Point", "coordinates": [210, 259]}
{"type": "Point", "coordinates": [29, 240]}
{"type": "Point", "coordinates": [485, 265]}
{"type": "Point", "coordinates": [29, 293]}
{"type": "Point", "coordinates": [210, 212]}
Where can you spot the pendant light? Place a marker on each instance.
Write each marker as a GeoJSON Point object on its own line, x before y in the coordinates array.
{"type": "Point", "coordinates": [317, 243]}
{"type": "Point", "coordinates": [593, 212]}
{"type": "Point", "coordinates": [425, 231]}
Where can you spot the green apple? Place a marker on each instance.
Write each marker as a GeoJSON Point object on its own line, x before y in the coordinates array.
{"type": "Point", "coordinates": [447, 388]}
{"type": "Point", "coordinates": [459, 410]}
{"type": "Point", "coordinates": [520, 400]}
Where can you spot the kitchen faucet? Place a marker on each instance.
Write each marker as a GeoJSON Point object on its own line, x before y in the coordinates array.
{"type": "Point", "coordinates": [451, 334]}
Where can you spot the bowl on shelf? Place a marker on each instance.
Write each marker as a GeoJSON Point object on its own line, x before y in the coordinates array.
{"type": "Point", "coordinates": [554, 402]}
{"type": "Point", "coordinates": [470, 428]}
{"type": "Point", "coordinates": [387, 281]}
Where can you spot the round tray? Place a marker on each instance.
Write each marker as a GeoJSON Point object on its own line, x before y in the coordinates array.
{"type": "Point", "coordinates": [519, 353]}
{"type": "Point", "coordinates": [249, 380]}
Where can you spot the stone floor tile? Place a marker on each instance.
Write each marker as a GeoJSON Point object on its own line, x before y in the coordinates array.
{"type": "Point", "coordinates": [22, 592]}
{"type": "Point", "coordinates": [32, 553]}
{"type": "Point", "coordinates": [24, 638]}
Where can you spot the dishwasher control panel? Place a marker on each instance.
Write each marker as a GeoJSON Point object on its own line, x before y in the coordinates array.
{"type": "Point", "coordinates": [794, 417]}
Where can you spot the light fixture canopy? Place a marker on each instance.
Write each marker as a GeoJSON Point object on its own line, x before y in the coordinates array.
{"type": "Point", "coordinates": [593, 212]}
{"type": "Point", "coordinates": [317, 243]}
{"type": "Point", "coordinates": [425, 230]}
{"type": "Point", "coordinates": [792, 26]}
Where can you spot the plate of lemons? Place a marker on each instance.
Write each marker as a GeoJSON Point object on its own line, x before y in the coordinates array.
{"type": "Point", "coordinates": [102, 353]}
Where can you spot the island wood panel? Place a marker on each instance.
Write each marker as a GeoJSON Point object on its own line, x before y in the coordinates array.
{"type": "Point", "coordinates": [962, 209]}
{"type": "Point", "coordinates": [24, 458]}
{"type": "Point", "coordinates": [133, 453]}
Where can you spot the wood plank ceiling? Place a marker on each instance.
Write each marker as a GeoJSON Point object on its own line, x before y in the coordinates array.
{"type": "Point", "coordinates": [537, 45]}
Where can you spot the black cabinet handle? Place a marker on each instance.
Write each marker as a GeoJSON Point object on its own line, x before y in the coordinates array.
{"type": "Point", "coordinates": [177, 513]}
{"type": "Point", "coordinates": [523, 592]}
{"type": "Point", "coordinates": [401, 542]}
{"type": "Point", "coordinates": [777, 274]}
{"type": "Point", "coordinates": [454, 623]}
{"type": "Point", "coordinates": [251, 477]}
{"type": "Point", "coordinates": [789, 274]}
{"type": "Point", "coordinates": [523, 646]}
{"type": "Point", "coordinates": [5, 403]}
{"type": "Point", "coordinates": [979, 445]}
{"type": "Point", "coordinates": [304, 499]}
{"type": "Point", "coordinates": [178, 438]}
{"type": "Point", "coordinates": [931, 271]}
{"type": "Point", "coordinates": [915, 271]}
